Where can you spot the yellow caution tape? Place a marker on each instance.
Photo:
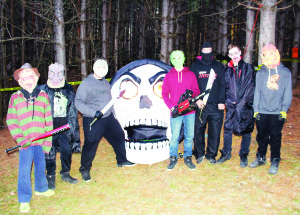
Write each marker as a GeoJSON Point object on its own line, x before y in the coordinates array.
{"type": "Point", "coordinates": [18, 88]}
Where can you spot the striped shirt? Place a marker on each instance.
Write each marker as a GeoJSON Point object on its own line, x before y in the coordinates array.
{"type": "Point", "coordinates": [26, 121]}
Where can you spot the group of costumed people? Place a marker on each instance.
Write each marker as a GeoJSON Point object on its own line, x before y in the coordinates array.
{"type": "Point", "coordinates": [264, 97]}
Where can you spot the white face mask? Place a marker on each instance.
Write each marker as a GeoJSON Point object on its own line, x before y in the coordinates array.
{"type": "Point", "coordinates": [28, 80]}
{"type": "Point", "coordinates": [100, 68]}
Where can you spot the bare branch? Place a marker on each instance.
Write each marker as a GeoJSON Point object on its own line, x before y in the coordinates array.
{"type": "Point", "coordinates": [276, 4]}
{"type": "Point", "coordinates": [254, 8]}
{"type": "Point", "coordinates": [283, 8]}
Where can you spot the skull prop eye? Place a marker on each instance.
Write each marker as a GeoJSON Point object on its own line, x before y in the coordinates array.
{"type": "Point", "coordinates": [158, 87]}
{"type": "Point", "coordinates": [131, 90]}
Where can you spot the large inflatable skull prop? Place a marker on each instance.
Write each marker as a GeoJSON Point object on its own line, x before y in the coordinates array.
{"type": "Point", "coordinates": [142, 112]}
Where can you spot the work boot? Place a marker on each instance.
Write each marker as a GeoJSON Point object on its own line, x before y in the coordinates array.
{"type": "Point", "coordinates": [51, 181]}
{"type": "Point", "coordinates": [189, 163]}
{"type": "Point", "coordinates": [274, 165]}
{"type": "Point", "coordinates": [258, 161]}
{"type": "Point", "coordinates": [224, 157]}
{"type": "Point", "coordinates": [67, 178]}
{"type": "Point", "coordinates": [173, 163]}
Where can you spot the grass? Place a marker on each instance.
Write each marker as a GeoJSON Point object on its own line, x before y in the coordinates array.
{"type": "Point", "coordinates": [151, 189]}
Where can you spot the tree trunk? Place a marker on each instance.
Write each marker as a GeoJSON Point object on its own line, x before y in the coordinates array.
{"type": "Point", "coordinates": [224, 28]}
{"type": "Point", "coordinates": [117, 36]}
{"type": "Point", "coordinates": [13, 46]}
{"type": "Point", "coordinates": [164, 32]}
{"type": "Point", "coordinates": [281, 35]}
{"type": "Point", "coordinates": [219, 47]}
{"type": "Point", "coordinates": [2, 60]}
{"type": "Point", "coordinates": [296, 44]}
{"type": "Point", "coordinates": [36, 42]}
{"type": "Point", "coordinates": [142, 32]}
{"type": "Point", "coordinates": [23, 32]}
{"type": "Point", "coordinates": [82, 40]}
{"type": "Point", "coordinates": [249, 38]}
{"type": "Point", "coordinates": [104, 29]}
{"type": "Point", "coordinates": [171, 31]}
{"type": "Point", "coordinates": [267, 25]}
{"type": "Point", "coordinates": [59, 31]}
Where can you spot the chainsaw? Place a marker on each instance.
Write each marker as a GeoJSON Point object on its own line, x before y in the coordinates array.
{"type": "Point", "coordinates": [186, 103]}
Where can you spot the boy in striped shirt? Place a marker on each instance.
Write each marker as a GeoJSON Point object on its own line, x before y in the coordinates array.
{"type": "Point", "coordinates": [29, 116]}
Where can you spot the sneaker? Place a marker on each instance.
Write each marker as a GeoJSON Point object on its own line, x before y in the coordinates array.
{"type": "Point", "coordinates": [126, 163]}
{"type": "Point", "coordinates": [51, 181]}
{"type": "Point", "coordinates": [200, 159]}
{"type": "Point", "coordinates": [189, 163]}
{"type": "Point", "coordinates": [244, 162]}
{"type": "Point", "coordinates": [224, 157]}
{"type": "Point", "coordinates": [67, 178]}
{"type": "Point", "coordinates": [173, 163]}
{"type": "Point", "coordinates": [24, 207]}
{"type": "Point", "coordinates": [274, 166]}
{"type": "Point", "coordinates": [85, 176]}
{"type": "Point", "coordinates": [46, 193]}
{"type": "Point", "coordinates": [258, 162]}
{"type": "Point", "coordinates": [212, 160]}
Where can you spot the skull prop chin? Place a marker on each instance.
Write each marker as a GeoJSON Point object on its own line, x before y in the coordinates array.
{"type": "Point", "coordinates": [270, 56]}
{"type": "Point", "coordinates": [142, 112]}
{"type": "Point", "coordinates": [56, 76]}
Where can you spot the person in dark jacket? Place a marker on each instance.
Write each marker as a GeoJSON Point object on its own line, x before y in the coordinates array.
{"type": "Point", "coordinates": [239, 94]}
{"type": "Point", "coordinates": [62, 99]}
{"type": "Point", "coordinates": [92, 96]}
{"type": "Point", "coordinates": [272, 99]}
{"type": "Point", "coordinates": [213, 109]}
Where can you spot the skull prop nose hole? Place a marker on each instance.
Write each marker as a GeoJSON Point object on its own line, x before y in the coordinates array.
{"type": "Point", "coordinates": [145, 102]}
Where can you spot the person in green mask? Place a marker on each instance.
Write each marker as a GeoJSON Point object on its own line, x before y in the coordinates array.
{"type": "Point", "coordinates": [175, 83]}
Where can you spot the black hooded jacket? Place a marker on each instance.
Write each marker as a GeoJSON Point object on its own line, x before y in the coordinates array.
{"type": "Point", "coordinates": [240, 86]}
{"type": "Point", "coordinates": [72, 117]}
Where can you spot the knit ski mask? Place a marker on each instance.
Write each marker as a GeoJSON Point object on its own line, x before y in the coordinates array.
{"type": "Point", "coordinates": [27, 77]}
{"type": "Point", "coordinates": [270, 56]}
{"type": "Point", "coordinates": [177, 58]}
{"type": "Point", "coordinates": [56, 76]}
{"type": "Point", "coordinates": [206, 57]}
{"type": "Point", "coordinates": [100, 68]}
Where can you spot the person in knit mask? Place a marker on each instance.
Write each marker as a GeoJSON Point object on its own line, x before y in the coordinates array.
{"type": "Point", "coordinates": [92, 96]}
{"type": "Point", "coordinates": [175, 83]}
{"type": "Point", "coordinates": [29, 116]}
{"type": "Point", "coordinates": [272, 99]}
{"type": "Point", "coordinates": [213, 109]}
{"type": "Point", "coordinates": [62, 100]}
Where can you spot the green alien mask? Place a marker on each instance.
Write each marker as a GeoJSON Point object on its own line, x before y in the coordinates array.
{"type": "Point", "coordinates": [177, 58]}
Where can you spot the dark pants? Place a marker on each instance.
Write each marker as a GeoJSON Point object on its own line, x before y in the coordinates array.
{"type": "Point", "coordinates": [215, 122]}
{"type": "Point", "coordinates": [269, 129]}
{"type": "Point", "coordinates": [108, 127]}
{"type": "Point", "coordinates": [65, 149]}
{"type": "Point", "coordinates": [245, 144]}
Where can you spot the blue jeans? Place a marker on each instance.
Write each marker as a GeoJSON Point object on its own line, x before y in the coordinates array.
{"type": "Point", "coordinates": [189, 123]}
{"type": "Point", "coordinates": [26, 156]}
{"type": "Point", "coordinates": [245, 144]}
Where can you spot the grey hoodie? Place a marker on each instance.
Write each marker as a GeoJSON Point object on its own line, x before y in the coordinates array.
{"type": "Point", "coordinates": [92, 95]}
{"type": "Point", "coordinates": [269, 101]}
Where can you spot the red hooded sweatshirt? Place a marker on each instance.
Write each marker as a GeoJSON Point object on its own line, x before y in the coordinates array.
{"type": "Point", "coordinates": [176, 83]}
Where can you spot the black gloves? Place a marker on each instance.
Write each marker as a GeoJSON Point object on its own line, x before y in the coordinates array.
{"type": "Point", "coordinates": [98, 115]}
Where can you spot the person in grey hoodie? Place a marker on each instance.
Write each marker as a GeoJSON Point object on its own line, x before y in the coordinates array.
{"type": "Point", "coordinates": [92, 96]}
{"type": "Point", "coordinates": [272, 99]}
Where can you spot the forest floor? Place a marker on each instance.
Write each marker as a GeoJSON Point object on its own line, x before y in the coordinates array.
{"type": "Point", "coordinates": [151, 189]}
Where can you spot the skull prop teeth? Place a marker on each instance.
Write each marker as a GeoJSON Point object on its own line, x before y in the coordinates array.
{"type": "Point", "coordinates": [142, 112]}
